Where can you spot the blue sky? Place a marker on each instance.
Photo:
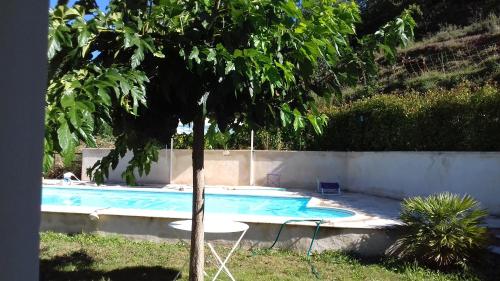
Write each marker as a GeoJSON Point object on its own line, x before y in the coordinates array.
{"type": "Point", "coordinates": [101, 3]}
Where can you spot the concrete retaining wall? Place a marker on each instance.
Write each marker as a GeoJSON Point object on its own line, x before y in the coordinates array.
{"type": "Point", "coordinates": [392, 174]}
{"type": "Point", "coordinates": [367, 242]}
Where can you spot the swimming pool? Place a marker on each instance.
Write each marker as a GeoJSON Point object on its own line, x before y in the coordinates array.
{"type": "Point", "coordinates": [216, 204]}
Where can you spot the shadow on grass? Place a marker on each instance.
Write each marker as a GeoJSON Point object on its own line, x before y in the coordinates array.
{"type": "Point", "coordinates": [77, 266]}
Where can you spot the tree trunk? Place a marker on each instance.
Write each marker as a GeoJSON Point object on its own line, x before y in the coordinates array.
{"type": "Point", "coordinates": [197, 258]}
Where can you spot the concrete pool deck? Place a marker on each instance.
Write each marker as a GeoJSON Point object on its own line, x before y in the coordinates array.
{"type": "Point", "coordinates": [370, 211]}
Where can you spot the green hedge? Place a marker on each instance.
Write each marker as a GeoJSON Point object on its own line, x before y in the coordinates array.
{"type": "Point", "coordinates": [464, 118]}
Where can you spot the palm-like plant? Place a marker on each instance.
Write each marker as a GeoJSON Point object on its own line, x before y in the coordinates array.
{"type": "Point", "coordinates": [441, 230]}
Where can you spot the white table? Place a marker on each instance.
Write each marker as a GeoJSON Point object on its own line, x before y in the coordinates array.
{"type": "Point", "coordinates": [216, 226]}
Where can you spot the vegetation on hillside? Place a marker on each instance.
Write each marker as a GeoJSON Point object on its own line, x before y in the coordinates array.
{"type": "Point", "coordinates": [444, 59]}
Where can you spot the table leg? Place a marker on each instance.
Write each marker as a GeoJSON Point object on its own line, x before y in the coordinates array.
{"type": "Point", "coordinates": [228, 256]}
{"type": "Point", "coordinates": [221, 263]}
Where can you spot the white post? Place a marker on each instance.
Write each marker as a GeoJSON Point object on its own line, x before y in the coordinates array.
{"type": "Point", "coordinates": [171, 160]}
{"type": "Point", "coordinates": [23, 82]}
{"type": "Point", "coordinates": [252, 182]}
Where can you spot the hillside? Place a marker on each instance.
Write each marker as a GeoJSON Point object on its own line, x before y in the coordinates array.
{"type": "Point", "coordinates": [443, 60]}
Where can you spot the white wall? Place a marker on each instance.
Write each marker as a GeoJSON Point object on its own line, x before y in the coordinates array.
{"type": "Point", "coordinates": [299, 169]}
{"type": "Point", "coordinates": [160, 171]}
{"type": "Point", "coordinates": [221, 167]}
{"type": "Point", "coordinates": [392, 174]}
{"type": "Point", "coordinates": [403, 174]}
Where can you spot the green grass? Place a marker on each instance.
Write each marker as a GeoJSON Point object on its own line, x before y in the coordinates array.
{"type": "Point", "coordinates": [93, 257]}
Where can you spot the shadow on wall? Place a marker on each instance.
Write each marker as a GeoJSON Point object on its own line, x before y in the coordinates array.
{"type": "Point", "coordinates": [362, 242]}
{"type": "Point", "coordinates": [77, 266]}
{"type": "Point", "coordinates": [374, 242]}
{"type": "Point", "coordinates": [221, 167]}
{"type": "Point", "coordinates": [299, 169]}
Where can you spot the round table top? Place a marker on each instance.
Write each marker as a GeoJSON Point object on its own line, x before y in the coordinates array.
{"type": "Point", "coordinates": [212, 226]}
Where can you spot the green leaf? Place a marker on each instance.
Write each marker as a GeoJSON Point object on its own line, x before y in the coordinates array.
{"type": "Point", "coordinates": [54, 47]}
{"type": "Point", "coordinates": [159, 54]}
{"type": "Point", "coordinates": [71, 13]}
{"type": "Point", "coordinates": [68, 155]}
{"type": "Point", "coordinates": [83, 37]}
{"type": "Point", "coordinates": [85, 106]}
{"type": "Point", "coordinates": [137, 57]}
{"type": "Point", "coordinates": [388, 51]}
{"type": "Point", "coordinates": [128, 38]}
{"type": "Point", "coordinates": [290, 7]}
{"type": "Point", "coordinates": [103, 94]}
{"type": "Point", "coordinates": [229, 67]}
{"type": "Point", "coordinates": [48, 157]}
{"type": "Point", "coordinates": [129, 176]}
{"type": "Point", "coordinates": [48, 161]}
{"type": "Point", "coordinates": [212, 55]}
{"type": "Point", "coordinates": [297, 121]}
{"type": "Point", "coordinates": [148, 44]}
{"type": "Point", "coordinates": [284, 115]}
{"type": "Point", "coordinates": [85, 50]}
{"type": "Point", "coordinates": [301, 28]}
{"type": "Point", "coordinates": [68, 100]}
{"type": "Point", "coordinates": [125, 87]}
{"type": "Point", "coordinates": [195, 55]}
{"type": "Point", "coordinates": [64, 136]}
{"type": "Point", "coordinates": [74, 117]}
{"type": "Point", "coordinates": [86, 131]}
{"type": "Point", "coordinates": [314, 122]}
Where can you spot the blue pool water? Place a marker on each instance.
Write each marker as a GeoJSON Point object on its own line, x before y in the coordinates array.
{"type": "Point", "coordinates": [181, 202]}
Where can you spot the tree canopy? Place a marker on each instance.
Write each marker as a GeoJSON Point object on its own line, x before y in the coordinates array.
{"type": "Point", "coordinates": [142, 66]}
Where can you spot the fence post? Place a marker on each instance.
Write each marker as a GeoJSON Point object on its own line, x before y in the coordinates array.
{"type": "Point", "coordinates": [252, 180]}
{"type": "Point", "coordinates": [171, 168]}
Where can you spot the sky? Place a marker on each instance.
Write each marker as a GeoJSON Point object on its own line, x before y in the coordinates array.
{"type": "Point", "coordinates": [101, 3]}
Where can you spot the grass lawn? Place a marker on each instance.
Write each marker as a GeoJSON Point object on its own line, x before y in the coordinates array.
{"type": "Point", "coordinates": [93, 257]}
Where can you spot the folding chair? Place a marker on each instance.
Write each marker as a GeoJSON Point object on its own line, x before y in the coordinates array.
{"type": "Point", "coordinates": [328, 188]}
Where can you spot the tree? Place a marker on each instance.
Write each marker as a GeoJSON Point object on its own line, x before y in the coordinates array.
{"type": "Point", "coordinates": [142, 66]}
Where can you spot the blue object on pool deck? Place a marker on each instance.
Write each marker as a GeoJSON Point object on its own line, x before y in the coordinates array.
{"type": "Point", "coordinates": [181, 202]}
{"type": "Point", "coordinates": [332, 188]}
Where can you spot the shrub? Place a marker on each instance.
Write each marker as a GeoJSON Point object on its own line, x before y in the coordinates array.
{"type": "Point", "coordinates": [441, 230]}
{"type": "Point", "coordinates": [465, 118]}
